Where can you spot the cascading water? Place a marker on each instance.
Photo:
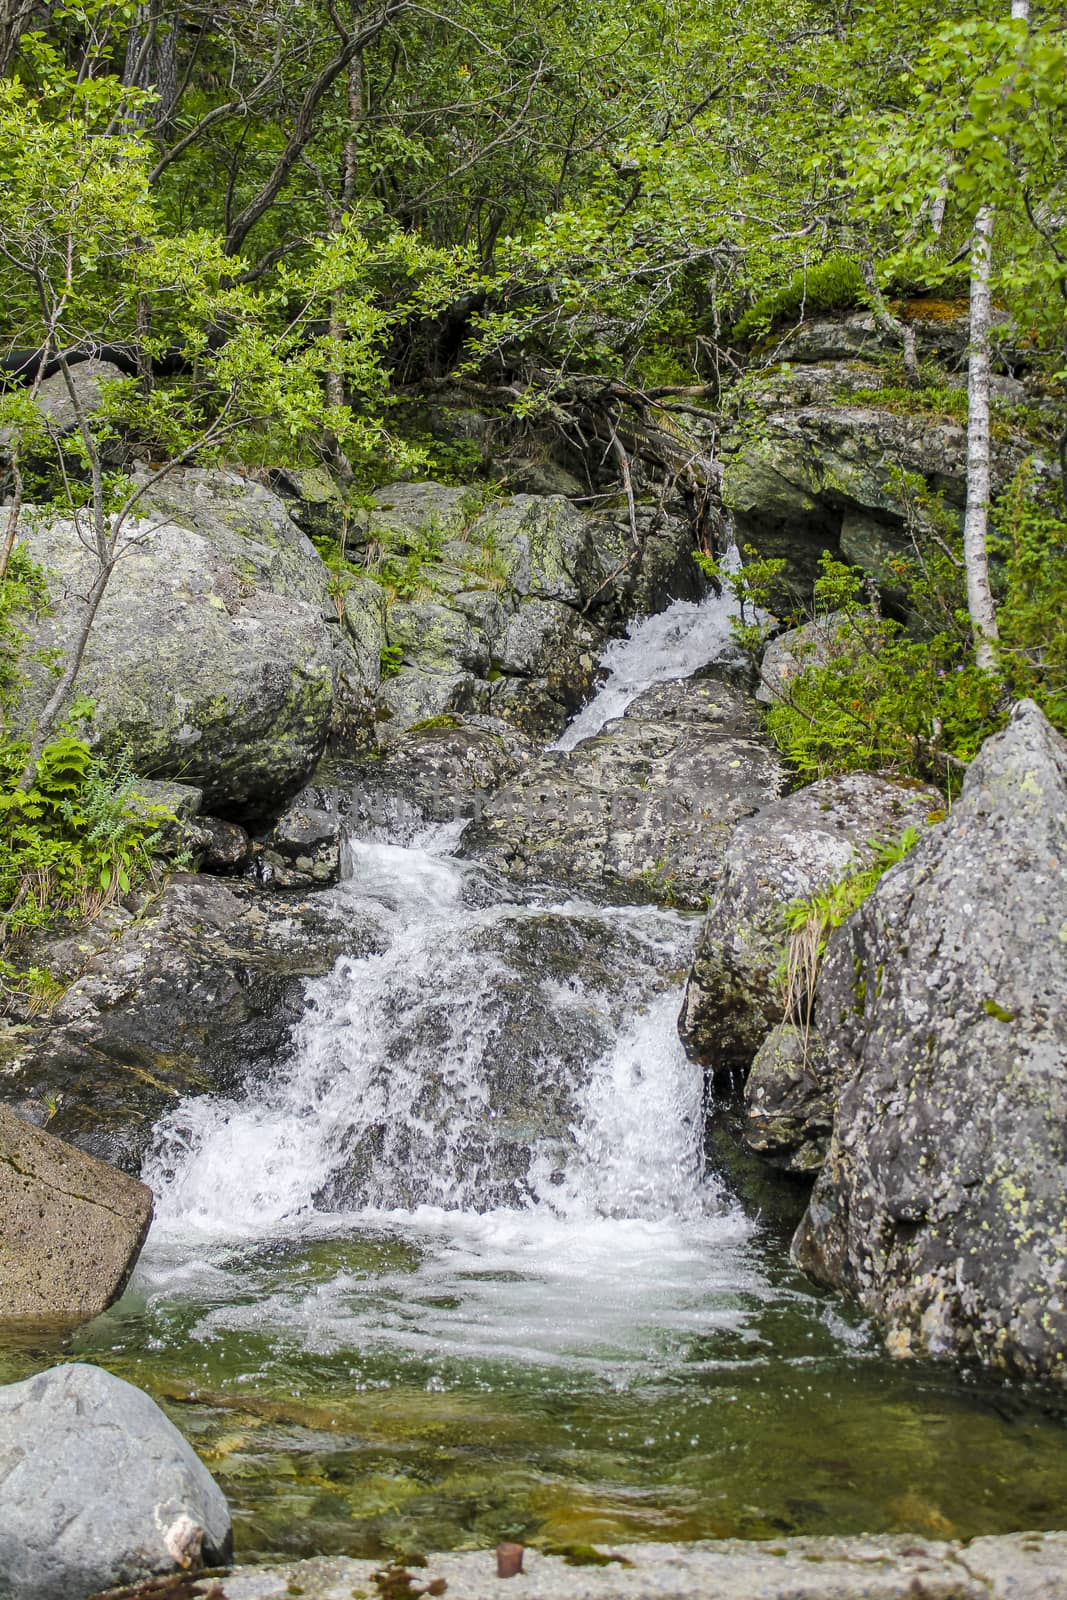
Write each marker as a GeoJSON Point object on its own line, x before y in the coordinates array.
{"type": "Point", "coordinates": [454, 1271]}
{"type": "Point", "coordinates": [670, 645]}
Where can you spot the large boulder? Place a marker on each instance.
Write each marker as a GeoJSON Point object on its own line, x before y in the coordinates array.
{"type": "Point", "coordinates": [791, 849]}
{"type": "Point", "coordinates": [440, 771]}
{"type": "Point", "coordinates": [217, 653]}
{"type": "Point", "coordinates": [197, 993]}
{"type": "Point", "coordinates": [643, 810]}
{"type": "Point", "coordinates": [71, 1228]}
{"type": "Point", "coordinates": [942, 1207]}
{"type": "Point", "coordinates": [100, 1489]}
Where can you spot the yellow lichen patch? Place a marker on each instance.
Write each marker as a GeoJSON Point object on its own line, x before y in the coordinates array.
{"type": "Point", "coordinates": [927, 308]}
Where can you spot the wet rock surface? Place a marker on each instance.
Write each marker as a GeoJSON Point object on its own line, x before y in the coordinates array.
{"type": "Point", "coordinates": [644, 809]}
{"type": "Point", "coordinates": [441, 771]}
{"type": "Point", "coordinates": [1027, 1566]}
{"type": "Point", "coordinates": [789, 1100]}
{"type": "Point", "coordinates": [71, 1228]}
{"type": "Point", "coordinates": [99, 1489]}
{"type": "Point", "coordinates": [792, 848]}
{"type": "Point", "coordinates": [541, 988]}
{"type": "Point", "coordinates": [197, 994]}
{"type": "Point", "coordinates": [941, 1207]}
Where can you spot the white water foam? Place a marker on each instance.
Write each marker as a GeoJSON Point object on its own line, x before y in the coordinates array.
{"type": "Point", "coordinates": [498, 1084]}
{"type": "Point", "coordinates": [672, 644]}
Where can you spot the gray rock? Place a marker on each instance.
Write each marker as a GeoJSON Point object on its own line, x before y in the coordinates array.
{"type": "Point", "coordinates": [942, 1207]}
{"type": "Point", "coordinates": [512, 601]}
{"type": "Point", "coordinates": [223, 846]}
{"type": "Point", "coordinates": [794, 470]}
{"type": "Point", "coordinates": [440, 771]}
{"type": "Point", "coordinates": [71, 1228]}
{"type": "Point", "coordinates": [831, 637]}
{"type": "Point", "coordinates": [1019, 1566]}
{"type": "Point", "coordinates": [100, 1489]}
{"type": "Point", "coordinates": [364, 609]}
{"type": "Point", "coordinates": [834, 339]}
{"type": "Point", "coordinates": [55, 405]}
{"type": "Point", "coordinates": [541, 477]}
{"type": "Point", "coordinates": [305, 844]}
{"type": "Point", "coordinates": [198, 994]}
{"type": "Point", "coordinates": [182, 800]}
{"type": "Point", "coordinates": [789, 1100]}
{"type": "Point", "coordinates": [217, 653]}
{"type": "Point", "coordinates": [1029, 1566]}
{"type": "Point", "coordinates": [643, 811]}
{"type": "Point", "coordinates": [791, 849]}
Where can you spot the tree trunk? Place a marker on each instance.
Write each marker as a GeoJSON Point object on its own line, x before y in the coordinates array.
{"type": "Point", "coordinates": [980, 606]}
{"type": "Point", "coordinates": [15, 16]}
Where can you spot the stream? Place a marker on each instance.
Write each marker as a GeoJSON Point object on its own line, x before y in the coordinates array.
{"type": "Point", "coordinates": [459, 1269]}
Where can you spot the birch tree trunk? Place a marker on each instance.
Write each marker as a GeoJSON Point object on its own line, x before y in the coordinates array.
{"type": "Point", "coordinates": [980, 607]}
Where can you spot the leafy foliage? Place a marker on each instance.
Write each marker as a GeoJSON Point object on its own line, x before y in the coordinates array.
{"type": "Point", "coordinates": [74, 840]}
{"type": "Point", "coordinates": [906, 697]}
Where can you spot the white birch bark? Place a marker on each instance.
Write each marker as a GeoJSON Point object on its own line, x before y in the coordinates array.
{"type": "Point", "coordinates": [980, 607]}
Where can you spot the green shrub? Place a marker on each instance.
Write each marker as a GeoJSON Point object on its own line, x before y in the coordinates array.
{"type": "Point", "coordinates": [835, 284]}
{"type": "Point", "coordinates": [909, 699]}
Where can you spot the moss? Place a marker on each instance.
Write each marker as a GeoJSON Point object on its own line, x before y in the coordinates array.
{"type": "Point", "coordinates": [445, 720]}
{"type": "Point", "coordinates": [585, 1555]}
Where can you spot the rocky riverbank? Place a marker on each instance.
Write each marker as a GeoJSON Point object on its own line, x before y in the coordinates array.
{"type": "Point", "coordinates": [1025, 1566]}
{"type": "Point", "coordinates": [294, 715]}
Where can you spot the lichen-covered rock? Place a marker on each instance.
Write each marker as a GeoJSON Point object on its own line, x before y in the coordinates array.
{"type": "Point", "coordinates": [440, 771]}
{"type": "Point", "coordinates": [196, 994]}
{"type": "Point", "coordinates": [815, 463]}
{"type": "Point", "coordinates": [643, 810]}
{"type": "Point", "coordinates": [942, 1207]}
{"type": "Point", "coordinates": [791, 849]}
{"type": "Point", "coordinates": [100, 1489]}
{"type": "Point", "coordinates": [217, 653]}
{"type": "Point", "coordinates": [789, 1100]}
{"type": "Point", "coordinates": [71, 1228]}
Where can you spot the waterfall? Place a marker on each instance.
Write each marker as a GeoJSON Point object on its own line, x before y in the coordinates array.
{"type": "Point", "coordinates": [499, 1079]}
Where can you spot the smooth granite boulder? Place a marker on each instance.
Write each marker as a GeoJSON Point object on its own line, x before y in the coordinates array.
{"type": "Point", "coordinates": [99, 1489]}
